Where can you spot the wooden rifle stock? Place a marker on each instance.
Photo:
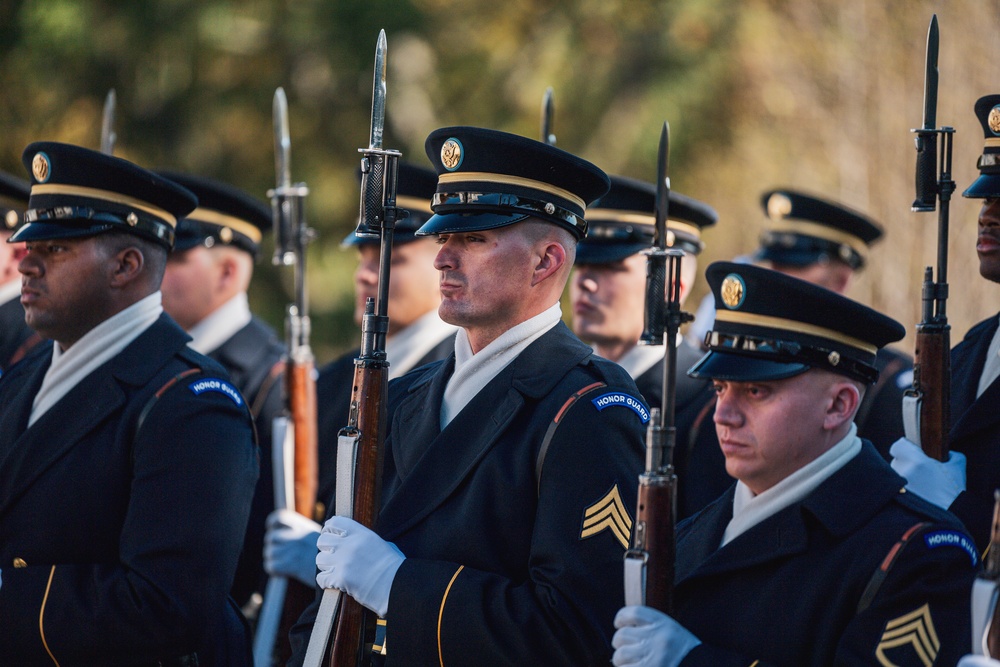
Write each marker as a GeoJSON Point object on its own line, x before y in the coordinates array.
{"type": "Point", "coordinates": [932, 380]}
{"type": "Point", "coordinates": [301, 387]}
{"type": "Point", "coordinates": [367, 422]}
{"type": "Point", "coordinates": [655, 517]}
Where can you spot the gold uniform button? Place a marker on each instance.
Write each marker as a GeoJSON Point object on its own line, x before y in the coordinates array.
{"type": "Point", "coordinates": [19, 563]}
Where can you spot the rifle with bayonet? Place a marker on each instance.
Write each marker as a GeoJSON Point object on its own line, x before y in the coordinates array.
{"type": "Point", "coordinates": [360, 443]}
{"type": "Point", "coordinates": [108, 136]}
{"type": "Point", "coordinates": [926, 405]}
{"type": "Point", "coordinates": [649, 564]}
{"type": "Point", "coordinates": [548, 110]}
{"type": "Point", "coordinates": [295, 456]}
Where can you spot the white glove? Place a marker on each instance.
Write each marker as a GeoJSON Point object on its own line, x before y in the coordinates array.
{"type": "Point", "coordinates": [290, 546]}
{"type": "Point", "coordinates": [354, 559]}
{"type": "Point", "coordinates": [978, 661]}
{"type": "Point", "coordinates": [936, 481]}
{"type": "Point", "coordinates": [649, 638]}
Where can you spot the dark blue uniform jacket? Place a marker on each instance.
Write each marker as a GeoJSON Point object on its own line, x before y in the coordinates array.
{"type": "Point", "coordinates": [789, 591]}
{"type": "Point", "coordinates": [506, 564]}
{"type": "Point", "coordinates": [975, 430]}
{"type": "Point", "coordinates": [117, 545]}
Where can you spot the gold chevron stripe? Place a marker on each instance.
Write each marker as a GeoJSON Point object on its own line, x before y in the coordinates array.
{"type": "Point", "coordinates": [608, 513]}
{"type": "Point", "coordinates": [915, 628]}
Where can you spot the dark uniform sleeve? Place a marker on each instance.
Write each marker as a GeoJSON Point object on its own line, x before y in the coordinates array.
{"type": "Point", "coordinates": [916, 612]}
{"type": "Point", "coordinates": [921, 614]}
{"type": "Point", "coordinates": [193, 468]}
{"type": "Point", "coordinates": [562, 614]}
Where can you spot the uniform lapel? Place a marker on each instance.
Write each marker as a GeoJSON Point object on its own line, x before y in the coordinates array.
{"type": "Point", "coordinates": [60, 429]}
{"type": "Point", "coordinates": [17, 404]}
{"type": "Point", "coordinates": [100, 394]}
{"type": "Point", "coordinates": [435, 463]}
{"type": "Point", "coordinates": [982, 414]}
{"type": "Point", "coordinates": [418, 418]}
{"type": "Point", "coordinates": [967, 361]}
{"type": "Point", "coordinates": [449, 457]}
{"type": "Point", "coordinates": [833, 505]}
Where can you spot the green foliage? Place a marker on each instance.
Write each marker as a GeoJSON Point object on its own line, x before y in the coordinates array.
{"type": "Point", "coordinates": [818, 94]}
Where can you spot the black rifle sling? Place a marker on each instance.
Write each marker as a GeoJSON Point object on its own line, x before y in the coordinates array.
{"type": "Point", "coordinates": [551, 431]}
{"type": "Point", "coordinates": [871, 590]}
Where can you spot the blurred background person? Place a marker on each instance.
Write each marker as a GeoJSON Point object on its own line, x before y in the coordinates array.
{"type": "Point", "coordinates": [416, 336]}
{"type": "Point", "coordinates": [16, 337]}
{"type": "Point", "coordinates": [608, 297]}
{"type": "Point", "coordinates": [205, 290]}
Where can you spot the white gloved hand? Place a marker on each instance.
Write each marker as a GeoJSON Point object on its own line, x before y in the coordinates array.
{"type": "Point", "coordinates": [649, 638]}
{"type": "Point", "coordinates": [290, 546]}
{"type": "Point", "coordinates": [978, 661]}
{"type": "Point", "coordinates": [936, 481]}
{"type": "Point", "coordinates": [354, 559]}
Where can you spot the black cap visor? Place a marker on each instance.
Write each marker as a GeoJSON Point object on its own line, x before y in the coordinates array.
{"type": "Point", "coordinates": [47, 230]}
{"type": "Point", "coordinates": [987, 186]}
{"type": "Point", "coordinates": [734, 367]}
{"type": "Point", "coordinates": [455, 223]}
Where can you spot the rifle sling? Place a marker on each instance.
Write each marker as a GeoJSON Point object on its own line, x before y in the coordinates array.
{"type": "Point", "coordinates": [879, 576]}
{"type": "Point", "coordinates": [551, 431]}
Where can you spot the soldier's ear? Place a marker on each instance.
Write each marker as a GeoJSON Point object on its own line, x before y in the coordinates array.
{"type": "Point", "coordinates": [127, 265]}
{"type": "Point", "coordinates": [845, 399]}
{"type": "Point", "coordinates": [550, 260]}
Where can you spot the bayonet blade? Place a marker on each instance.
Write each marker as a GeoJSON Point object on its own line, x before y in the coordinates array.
{"type": "Point", "coordinates": [931, 76]}
{"type": "Point", "coordinates": [378, 94]}
{"type": "Point", "coordinates": [663, 187]}
{"type": "Point", "coordinates": [548, 110]}
{"type": "Point", "coordinates": [282, 141]}
{"type": "Point", "coordinates": [108, 135]}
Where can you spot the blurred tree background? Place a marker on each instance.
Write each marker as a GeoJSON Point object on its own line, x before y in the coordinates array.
{"type": "Point", "coordinates": [813, 94]}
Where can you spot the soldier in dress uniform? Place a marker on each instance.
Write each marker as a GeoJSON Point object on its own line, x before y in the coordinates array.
{"type": "Point", "coordinates": [827, 244]}
{"type": "Point", "coordinates": [205, 291]}
{"type": "Point", "coordinates": [607, 293]}
{"type": "Point", "coordinates": [129, 459]}
{"type": "Point", "coordinates": [510, 467]}
{"type": "Point", "coordinates": [818, 555]}
{"type": "Point", "coordinates": [416, 336]}
{"type": "Point", "coordinates": [16, 337]}
{"type": "Point", "coordinates": [965, 483]}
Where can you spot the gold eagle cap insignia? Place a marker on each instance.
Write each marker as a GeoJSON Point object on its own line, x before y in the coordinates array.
{"type": "Point", "coordinates": [41, 168]}
{"type": "Point", "coordinates": [451, 154]}
{"type": "Point", "coordinates": [993, 120]}
{"type": "Point", "coordinates": [608, 513]}
{"type": "Point", "coordinates": [910, 635]}
{"type": "Point", "coordinates": [732, 291]}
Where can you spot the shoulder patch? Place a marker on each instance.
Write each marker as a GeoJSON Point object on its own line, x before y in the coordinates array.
{"type": "Point", "coordinates": [624, 400]}
{"type": "Point", "coordinates": [220, 386]}
{"type": "Point", "coordinates": [952, 538]}
{"type": "Point", "coordinates": [608, 513]}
